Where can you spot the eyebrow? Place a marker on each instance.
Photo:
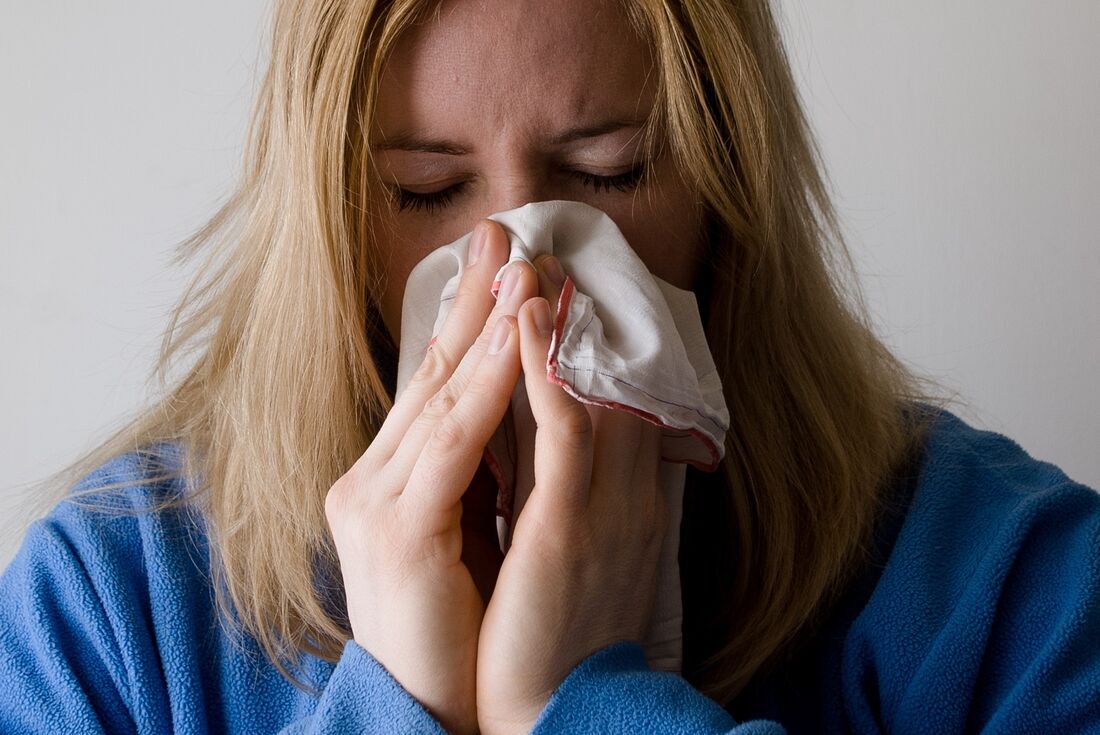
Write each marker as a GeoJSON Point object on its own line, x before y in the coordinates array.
{"type": "Point", "coordinates": [408, 141]}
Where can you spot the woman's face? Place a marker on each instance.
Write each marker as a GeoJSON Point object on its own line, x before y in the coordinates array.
{"type": "Point", "coordinates": [490, 105]}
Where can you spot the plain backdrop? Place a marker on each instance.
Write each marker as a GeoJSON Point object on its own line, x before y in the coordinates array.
{"type": "Point", "coordinates": [960, 139]}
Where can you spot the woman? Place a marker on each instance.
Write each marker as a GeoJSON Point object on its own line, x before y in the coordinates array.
{"type": "Point", "coordinates": [278, 546]}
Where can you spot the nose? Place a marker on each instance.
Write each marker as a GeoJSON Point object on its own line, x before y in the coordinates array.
{"type": "Point", "coordinates": [515, 187]}
{"type": "Point", "coordinates": [514, 197]}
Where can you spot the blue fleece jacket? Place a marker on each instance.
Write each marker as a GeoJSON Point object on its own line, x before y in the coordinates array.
{"type": "Point", "coordinates": [984, 616]}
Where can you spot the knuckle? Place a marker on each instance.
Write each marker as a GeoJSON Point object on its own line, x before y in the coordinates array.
{"type": "Point", "coordinates": [435, 368]}
{"type": "Point", "coordinates": [441, 546]}
{"type": "Point", "coordinates": [334, 504]}
{"type": "Point", "coordinates": [548, 537]}
{"type": "Point", "coordinates": [441, 404]}
{"type": "Point", "coordinates": [574, 428]}
{"type": "Point", "coordinates": [371, 461]}
{"type": "Point", "coordinates": [483, 387]}
{"type": "Point", "coordinates": [448, 433]}
{"type": "Point", "coordinates": [338, 498]}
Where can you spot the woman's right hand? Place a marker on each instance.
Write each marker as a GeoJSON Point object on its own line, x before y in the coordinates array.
{"type": "Point", "coordinates": [395, 515]}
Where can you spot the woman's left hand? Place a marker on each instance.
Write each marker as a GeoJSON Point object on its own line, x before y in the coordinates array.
{"type": "Point", "coordinates": [581, 570]}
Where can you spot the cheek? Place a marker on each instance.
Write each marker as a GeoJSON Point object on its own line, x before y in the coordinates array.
{"type": "Point", "coordinates": [665, 229]}
{"type": "Point", "coordinates": [669, 253]}
{"type": "Point", "coordinates": [399, 243]}
{"type": "Point", "coordinates": [398, 252]}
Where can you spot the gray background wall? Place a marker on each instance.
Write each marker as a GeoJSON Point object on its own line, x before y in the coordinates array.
{"type": "Point", "coordinates": [960, 138]}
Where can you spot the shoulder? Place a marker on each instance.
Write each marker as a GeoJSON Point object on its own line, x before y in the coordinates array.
{"type": "Point", "coordinates": [95, 588]}
{"type": "Point", "coordinates": [136, 479]}
{"type": "Point", "coordinates": [110, 615]}
{"type": "Point", "coordinates": [987, 457]}
{"type": "Point", "coordinates": [118, 528]}
{"type": "Point", "coordinates": [991, 585]}
{"type": "Point", "coordinates": [983, 509]}
{"type": "Point", "coordinates": [979, 492]}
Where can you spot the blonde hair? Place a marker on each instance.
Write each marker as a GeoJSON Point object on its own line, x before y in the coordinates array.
{"type": "Point", "coordinates": [288, 387]}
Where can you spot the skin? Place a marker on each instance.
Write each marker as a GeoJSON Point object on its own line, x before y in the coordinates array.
{"type": "Point", "coordinates": [480, 640]}
{"type": "Point", "coordinates": [502, 82]}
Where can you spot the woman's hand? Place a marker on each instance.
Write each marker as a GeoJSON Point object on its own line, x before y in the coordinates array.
{"type": "Point", "coordinates": [581, 570]}
{"type": "Point", "coordinates": [396, 514]}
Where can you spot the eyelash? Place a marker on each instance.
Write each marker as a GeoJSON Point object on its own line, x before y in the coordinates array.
{"type": "Point", "coordinates": [405, 199]}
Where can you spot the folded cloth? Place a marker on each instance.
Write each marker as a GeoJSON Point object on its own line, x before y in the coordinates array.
{"type": "Point", "coordinates": [623, 339]}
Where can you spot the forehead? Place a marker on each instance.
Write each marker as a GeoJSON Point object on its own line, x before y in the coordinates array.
{"type": "Point", "coordinates": [513, 62]}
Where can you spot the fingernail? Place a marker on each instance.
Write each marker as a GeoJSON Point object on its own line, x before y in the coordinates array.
{"type": "Point", "coordinates": [542, 317]}
{"type": "Point", "coordinates": [500, 336]}
{"type": "Point", "coordinates": [477, 243]}
{"type": "Point", "coordinates": [511, 275]}
{"type": "Point", "coordinates": [552, 268]}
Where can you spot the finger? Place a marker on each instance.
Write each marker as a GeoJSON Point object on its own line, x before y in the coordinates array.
{"type": "Point", "coordinates": [444, 469]}
{"type": "Point", "coordinates": [465, 321]}
{"type": "Point", "coordinates": [563, 439]}
{"type": "Point", "coordinates": [551, 279]}
{"type": "Point", "coordinates": [517, 284]}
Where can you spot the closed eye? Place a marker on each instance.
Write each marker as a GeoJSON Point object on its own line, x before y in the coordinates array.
{"type": "Point", "coordinates": [434, 201]}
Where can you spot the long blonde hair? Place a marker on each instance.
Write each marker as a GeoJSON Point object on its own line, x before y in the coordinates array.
{"type": "Point", "coordinates": [288, 384]}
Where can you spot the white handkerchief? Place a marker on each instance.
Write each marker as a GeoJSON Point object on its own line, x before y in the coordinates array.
{"type": "Point", "coordinates": [623, 339]}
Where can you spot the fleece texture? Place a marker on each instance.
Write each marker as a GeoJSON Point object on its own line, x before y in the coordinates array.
{"type": "Point", "coordinates": [984, 615]}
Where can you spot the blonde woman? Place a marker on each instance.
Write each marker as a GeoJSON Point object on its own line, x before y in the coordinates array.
{"type": "Point", "coordinates": [279, 546]}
